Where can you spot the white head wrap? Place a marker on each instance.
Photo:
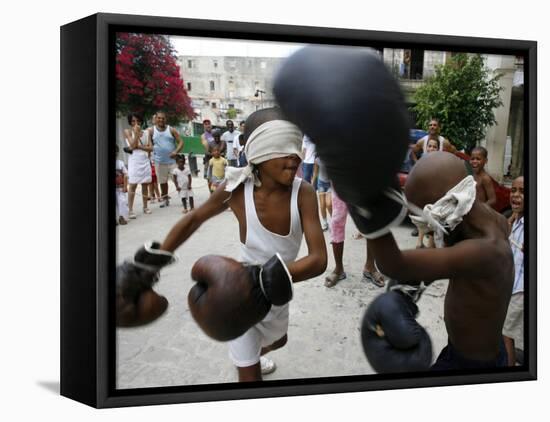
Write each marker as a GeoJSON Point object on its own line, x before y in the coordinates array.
{"type": "Point", "coordinates": [445, 214]}
{"type": "Point", "coordinates": [273, 139]}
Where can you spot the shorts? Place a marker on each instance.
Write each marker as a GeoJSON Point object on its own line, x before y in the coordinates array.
{"type": "Point", "coordinates": [449, 358]}
{"type": "Point", "coordinates": [338, 221]}
{"type": "Point", "coordinates": [164, 171]}
{"type": "Point", "coordinates": [513, 324]}
{"type": "Point", "coordinates": [308, 171]}
{"type": "Point", "coordinates": [245, 350]}
{"type": "Point", "coordinates": [322, 186]}
{"type": "Point", "coordinates": [185, 193]}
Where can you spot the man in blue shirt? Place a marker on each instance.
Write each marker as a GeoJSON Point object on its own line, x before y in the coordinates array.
{"type": "Point", "coordinates": [167, 143]}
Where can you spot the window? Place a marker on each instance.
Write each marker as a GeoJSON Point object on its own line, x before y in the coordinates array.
{"type": "Point", "coordinates": [188, 86]}
{"type": "Point", "coordinates": [190, 64]}
{"type": "Point", "coordinates": [212, 86]}
{"type": "Point", "coordinates": [215, 63]}
{"type": "Point", "coordinates": [417, 64]}
{"type": "Point", "coordinates": [263, 65]}
{"type": "Point", "coordinates": [214, 105]}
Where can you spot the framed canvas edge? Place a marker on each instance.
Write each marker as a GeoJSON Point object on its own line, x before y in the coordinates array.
{"type": "Point", "coordinates": [106, 397]}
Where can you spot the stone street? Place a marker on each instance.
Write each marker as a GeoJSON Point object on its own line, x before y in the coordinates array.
{"type": "Point", "coordinates": [324, 330]}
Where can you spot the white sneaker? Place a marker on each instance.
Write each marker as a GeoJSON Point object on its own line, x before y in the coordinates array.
{"type": "Point", "coordinates": [267, 365]}
{"type": "Point", "coordinates": [324, 226]}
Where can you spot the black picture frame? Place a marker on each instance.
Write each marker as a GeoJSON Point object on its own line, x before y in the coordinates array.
{"type": "Point", "coordinates": [87, 277]}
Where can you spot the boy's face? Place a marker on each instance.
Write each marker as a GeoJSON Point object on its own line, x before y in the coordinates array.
{"type": "Point", "coordinates": [181, 164]}
{"type": "Point", "coordinates": [282, 170]}
{"type": "Point", "coordinates": [216, 153]}
{"type": "Point", "coordinates": [477, 161]}
{"type": "Point", "coordinates": [207, 126]}
{"type": "Point", "coordinates": [516, 196]}
{"type": "Point", "coordinates": [432, 146]}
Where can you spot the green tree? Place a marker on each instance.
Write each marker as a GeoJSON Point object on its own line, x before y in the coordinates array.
{"type": "Point", "coordinates": [463, 96]}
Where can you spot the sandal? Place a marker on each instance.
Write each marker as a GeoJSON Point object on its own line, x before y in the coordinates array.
{"type": "Point", "coordinates": [132, 215]}
{"type": "Point", "coordinates": [333, 279]}
{"type": "Point", "coordinates": [357, 236]}
{"type": "Point", "coordinates": [146, 211]}
{"type": "Point", "coordinates": [375, 278]}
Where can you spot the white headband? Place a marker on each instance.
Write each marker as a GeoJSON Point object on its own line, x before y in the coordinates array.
{"type": "Point", "coordinates": [273, 139]}
{"type": "Point", "coordinates": [445, 214]}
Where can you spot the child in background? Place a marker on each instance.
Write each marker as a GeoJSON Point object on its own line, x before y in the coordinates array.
{"type": "Point", "coordinates": [154, 191]}
{"type": "Point", "coordinates": [512, 331]}
{"type": "Point", "coordinates": [242, 156]}
{"type": "Point", "coordinates": [484, 187]}
{"type": "Point", "coordinates": [433, 145]}
{"type": "Point", "coordinates": [182, 180]}
{"type": "Point", "coordinates": [216, 169]}
{"type": "Point", "coordinates": [321, 183]}
{"type": "Point", "coordinates": [121, 186]}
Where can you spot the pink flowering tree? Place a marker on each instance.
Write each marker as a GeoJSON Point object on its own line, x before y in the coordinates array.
{"type": "Point", "coordinates": [148, 78]}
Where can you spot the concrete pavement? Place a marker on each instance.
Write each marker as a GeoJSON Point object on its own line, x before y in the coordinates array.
{"type": "Point", "coordinates": [324, 330]}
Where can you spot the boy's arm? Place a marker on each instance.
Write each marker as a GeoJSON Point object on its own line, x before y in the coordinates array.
{"type": "Point", "coordinates": [189, 181]}
{"type": "Point", "coordinates": [489, 190]}
{"type": "Point", "coordinates": [471, 258]}
{"type": "Point", "coordinates": [315, 262]}
{"type": "Point", "coordinates": [180, 232]}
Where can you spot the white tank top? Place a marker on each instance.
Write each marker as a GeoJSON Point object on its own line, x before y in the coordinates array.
{"type": "Point", "coordinates": [261, 244]}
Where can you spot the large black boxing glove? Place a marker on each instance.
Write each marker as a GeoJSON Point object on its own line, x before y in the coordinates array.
{"type": "Point", "coordinates": [392, 339]}
{"type": "Point", "coordinates": [352, 108]}
{"type": "Point", "coordinates": [230, 297]}
{"type": "Point", "coordinates": [136, 302]}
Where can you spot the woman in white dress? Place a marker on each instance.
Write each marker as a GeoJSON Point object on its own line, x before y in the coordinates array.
{"type": "Point", "coordinates": [139, 168]}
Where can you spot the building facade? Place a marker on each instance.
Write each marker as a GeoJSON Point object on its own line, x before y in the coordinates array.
{"type": "Point", "coordinates": [226, 87]}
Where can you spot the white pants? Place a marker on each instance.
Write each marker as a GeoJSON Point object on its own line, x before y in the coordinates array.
{"type": "Point", "coordinates": [185, 193]}
{"type": "Point", "coordinates": [121, 204]}
{"type": "Point", "coordinates": [245, 350]}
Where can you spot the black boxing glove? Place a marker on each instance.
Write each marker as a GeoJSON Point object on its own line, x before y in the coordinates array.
{"type": "Point", "coordinates": [377, 215]}
{"type": "Point", "coordinates": [230, 297]}
{"type": "Point", "coordinates": [135, 278]}
{"type": "Point", "coordinates": [350, 105]}
{"type": "Point", "coordinates": [392, 339]}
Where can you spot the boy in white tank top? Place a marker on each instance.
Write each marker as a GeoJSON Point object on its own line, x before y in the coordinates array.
{"type": "Point", "coordinates": [274, 210]}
